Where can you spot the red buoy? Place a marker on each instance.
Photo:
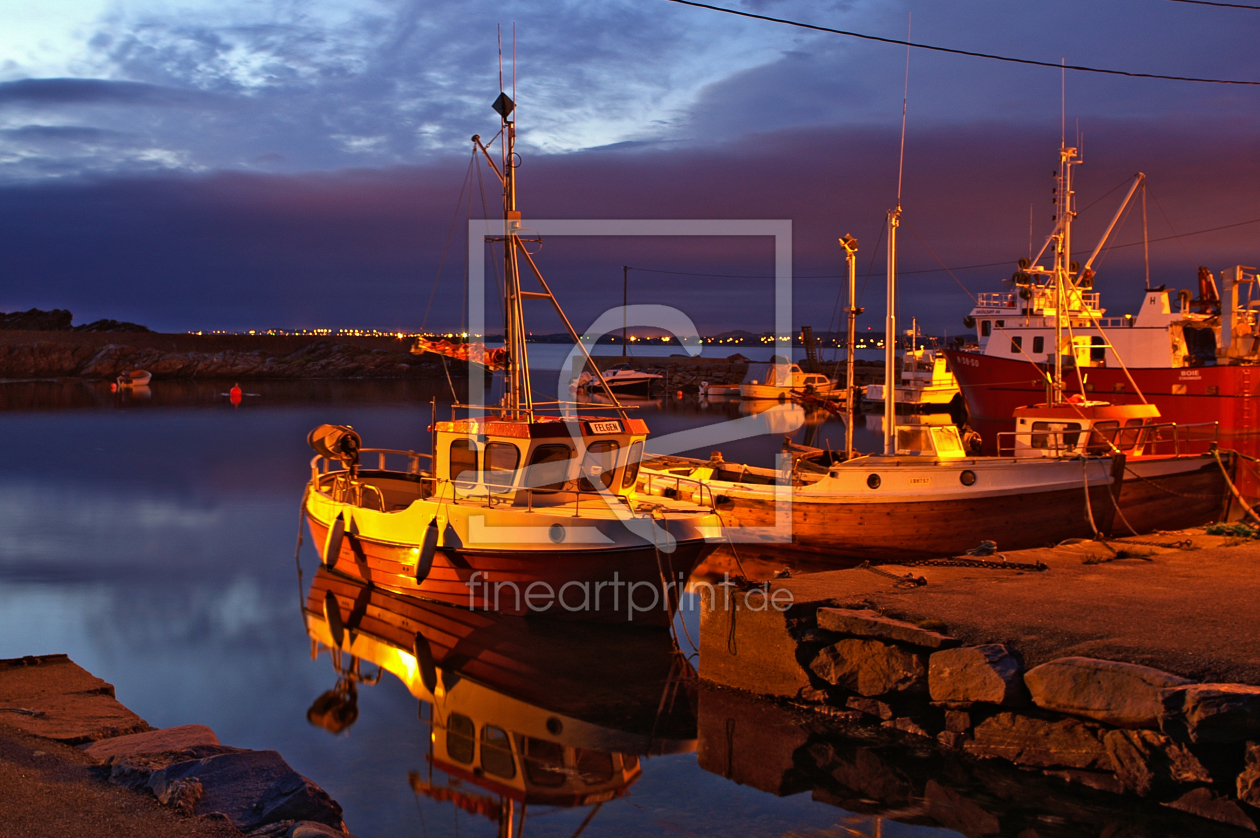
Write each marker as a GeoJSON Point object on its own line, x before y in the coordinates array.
{"type": "Point", "coordinates": [234, 395]}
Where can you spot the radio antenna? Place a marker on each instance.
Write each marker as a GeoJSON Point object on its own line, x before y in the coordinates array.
{"type": "Point", "coordinates": [905, 96]}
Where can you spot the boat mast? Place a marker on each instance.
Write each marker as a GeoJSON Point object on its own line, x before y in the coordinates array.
{"type": "Point", "coordinates": [850, 246]}
{"type": "Point", "coordinates": [1065, 199]}
{"type": "Point", "coordinates": [890, 337]}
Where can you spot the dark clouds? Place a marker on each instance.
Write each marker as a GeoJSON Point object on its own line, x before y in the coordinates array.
{"type": "Point", "coordinates": [230, 168]}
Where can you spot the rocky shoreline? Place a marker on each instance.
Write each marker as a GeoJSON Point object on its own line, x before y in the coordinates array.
{"type": "Point", "coordinates": [1109, 726]}
{"type": "Point", "coordinates": [185, 781]}
{"type": "Point", "coordinates": [104, 355]}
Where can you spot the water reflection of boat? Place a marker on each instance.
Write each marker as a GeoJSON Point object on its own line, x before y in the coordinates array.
{"type": "Point", "coordinates": [528, 711]}
{"type": "Point", "coordinates": [516, 500]}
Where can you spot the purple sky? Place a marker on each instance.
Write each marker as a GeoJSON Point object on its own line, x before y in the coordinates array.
{"type": "Point", "coordinates": [253, 164]}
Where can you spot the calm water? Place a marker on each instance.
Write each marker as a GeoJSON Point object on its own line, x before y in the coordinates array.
{"type": "Point", "coordinates": [152, 540]}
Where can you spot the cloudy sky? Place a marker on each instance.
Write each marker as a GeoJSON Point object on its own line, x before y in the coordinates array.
{"type": "Point", "coordinates": [253, 163]}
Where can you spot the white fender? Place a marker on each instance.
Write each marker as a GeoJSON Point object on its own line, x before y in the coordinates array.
{"type": "Point", "coordinates": [427, 550]}
{"type": "Point", "coordinates": [332, 543]}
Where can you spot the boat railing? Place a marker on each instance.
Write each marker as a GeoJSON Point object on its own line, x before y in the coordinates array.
{"type": "Point", "coordinates": [996, 299]}
{"type": "Point", "coordinates": [321, 465]}
{"type": "Point", "coordinates": [1163, 438]}
{"type": "Point", "coordinates": [671, 485]}
{"type": "Point", "coordinates": [333, 477]}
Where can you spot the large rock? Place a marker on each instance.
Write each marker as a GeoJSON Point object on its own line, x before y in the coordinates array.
{"type": "Point", "coordinates": [867, 623]}
{"type": "Point", "coordinates": [1120, 694]}
{"type": "Point", "coordinates": [960, 813]}
{"type": "Point", "coordinates": [1211, 712]}
{"type": "Point", "coordinates": [1207, 804]}
{"type": "Point", "coordinates": [748, 645]}
{"type": "Point", "coordinates": [152, 742]}
{"type": "Point", "coordinates": [53, 697]}
{"type": "Point", "coordinates": [871, 667]}
{"type": "Point", "coordinates": [1147, 762]}
{"type": "Point", "coordinates": [988, 674]}
{"type": "Point", "coordinates": [252, 788]}
{"type": "Point", "coordinates": [1024, 740]}
{"type": "Point", "coordinates": [1248, 782]}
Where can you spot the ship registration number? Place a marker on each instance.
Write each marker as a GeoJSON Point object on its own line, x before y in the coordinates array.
{"type": "Point", "coordinates": [605, 427]}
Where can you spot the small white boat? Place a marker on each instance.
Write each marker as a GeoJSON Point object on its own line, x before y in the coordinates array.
{"type": "Point", "coordinates": [624, 378]}
{"type": "Point", "coordinates": [133, 378]}
{"type": "Point", "coordinates": [777, 380]}
{"type": "Point", "coordinates": [926, 381]}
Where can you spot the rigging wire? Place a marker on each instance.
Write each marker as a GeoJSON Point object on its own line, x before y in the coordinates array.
{"type": "Point", "coordinates": [951, 50]}
{"type": "Point", "coordinates": [1225, 5]}
{"type": "Point", "coordinates": [959, 267]}
{"type": "Point", "coordinates": [459, 205]}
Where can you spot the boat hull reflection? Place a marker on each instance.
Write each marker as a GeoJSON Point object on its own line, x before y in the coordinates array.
{"type": "Point", "coordinates": [530, 712]}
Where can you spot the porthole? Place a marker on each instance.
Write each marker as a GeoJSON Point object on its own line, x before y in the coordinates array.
{"type": "Point", "coordinates": [967, 477]}
{"type": "Point", "coordinates": [554, 726]}
{"type": "Point", "coordinates": [873, 481]}
{"type": "Point", "coordinates": [556, 533]}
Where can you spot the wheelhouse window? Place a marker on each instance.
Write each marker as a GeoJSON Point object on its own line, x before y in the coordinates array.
{"type": "Point", "coordinates": [544, 762]}
{"type": "Point", "coordinates": [464, 460]}
{"type": "Point", "coordinates": [1055, 435]}
{"type": "Point", "coordinates": [460, 738]}
{"type": "Point", "coordinates": [1039, 344]}
{"type": "Point", "coordinates": [501, 458]}
{"type": "Point", "coordinates": [1131, 436]}
{"type": "Point", "coordinates": [632, 465]}
{"type": "Point", "coordinates": [1102, 436]}
{"type": "Point", "coordinates": [549, 466]}
{"type": "Point", "coordinates": [1098, 350]}
{"type": "Point", "coordinates": [599, 463]}
{"type": "Point", "coordinates": [986, 328]}
{"type": "Point", "coordinates": [496, 752]}
{"type": "Point", "coordinates": [1017, 343]}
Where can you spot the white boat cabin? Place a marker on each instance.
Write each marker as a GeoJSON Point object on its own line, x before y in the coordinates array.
{"type": "Point", "coordinates": [1085, 428]}
{"type": "Point", "coordinates": [538, 462]}
{"type": "Point", "coordinates": [1213, 328]}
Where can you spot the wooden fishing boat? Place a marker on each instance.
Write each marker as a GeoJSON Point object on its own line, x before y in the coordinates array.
{"type": "Point", "coordinates": [923, 497]}
{"type": "Point", "coordinates": [527, 711]}
{"type": "Point", "coordinates": [519, 511]}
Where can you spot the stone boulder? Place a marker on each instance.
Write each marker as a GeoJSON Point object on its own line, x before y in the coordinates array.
{"type": "Point", "coordinates": [1120, 694]}
{"type": "Point", "coordinates": [252, 788]}
{"type": "Point", "coordinates": [1206, 803]}
{"type": "Point", "coordinates": [867, 623]}
{"type": "Point", "coordinates": [1025, 740]}
{"type": "Point", "coordinates": [749, 645]}
{"type": "Point", "coordinates": [152, 742]}
{"type": "Point", "coordinates": [53, 697]}
{"type": "Point", "coordinates": [1248, 782]}
{"type": "Point", "coordinates": [1211, 712]}
{"type": "Point", "coordinates": [871, 667]}
{"type": "Point", "coordinates": [988, 674]}
{"type": "Point", "coordinates": [1147, 762]}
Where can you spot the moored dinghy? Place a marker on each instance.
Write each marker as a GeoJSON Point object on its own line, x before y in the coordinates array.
{"type": "Point", "coordinates": [519, 512]}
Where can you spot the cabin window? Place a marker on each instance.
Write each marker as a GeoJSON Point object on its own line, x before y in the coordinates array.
{"type": "Point", "coordinates": [1017, 343]}
{"type": "Point", "coordinates": [594, 767]}
{"type": "Point", "coordinates": [600, 463]}
{"type": "Point", "coordinates": [1098, 350]}
{"type": "Point", "coordinates": [464, 460]}
{"type": "Point", "coordinates": [1131, 436]}
{"type": "Point", "coordinates": [496, 752]}
{"type": "Point", "coordinates": [985, 328]}
{"type": "Point", "coordinates": [544, 762]}
{"type": "Point", "coordinates": [502, 458]}
{"type": "Point", "coordinates": [1055, 435]}
{"type": "Point", "coordinates": [947, 441]}
{"type": "Point", "coordinates": [1039, 344]}
{"type": "Point", "coordinates": [460, 738]}
{"type": "Point", "coordinates": [914, 439]}
{"type": "Point", "coordinates": [1101, 437]}
{"type": "Point", "coordinates": [549, 467]}
{"type": "Point", "coordinates": [999, 323]}
{"type": "Point", "coordinates": [632, 465]}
